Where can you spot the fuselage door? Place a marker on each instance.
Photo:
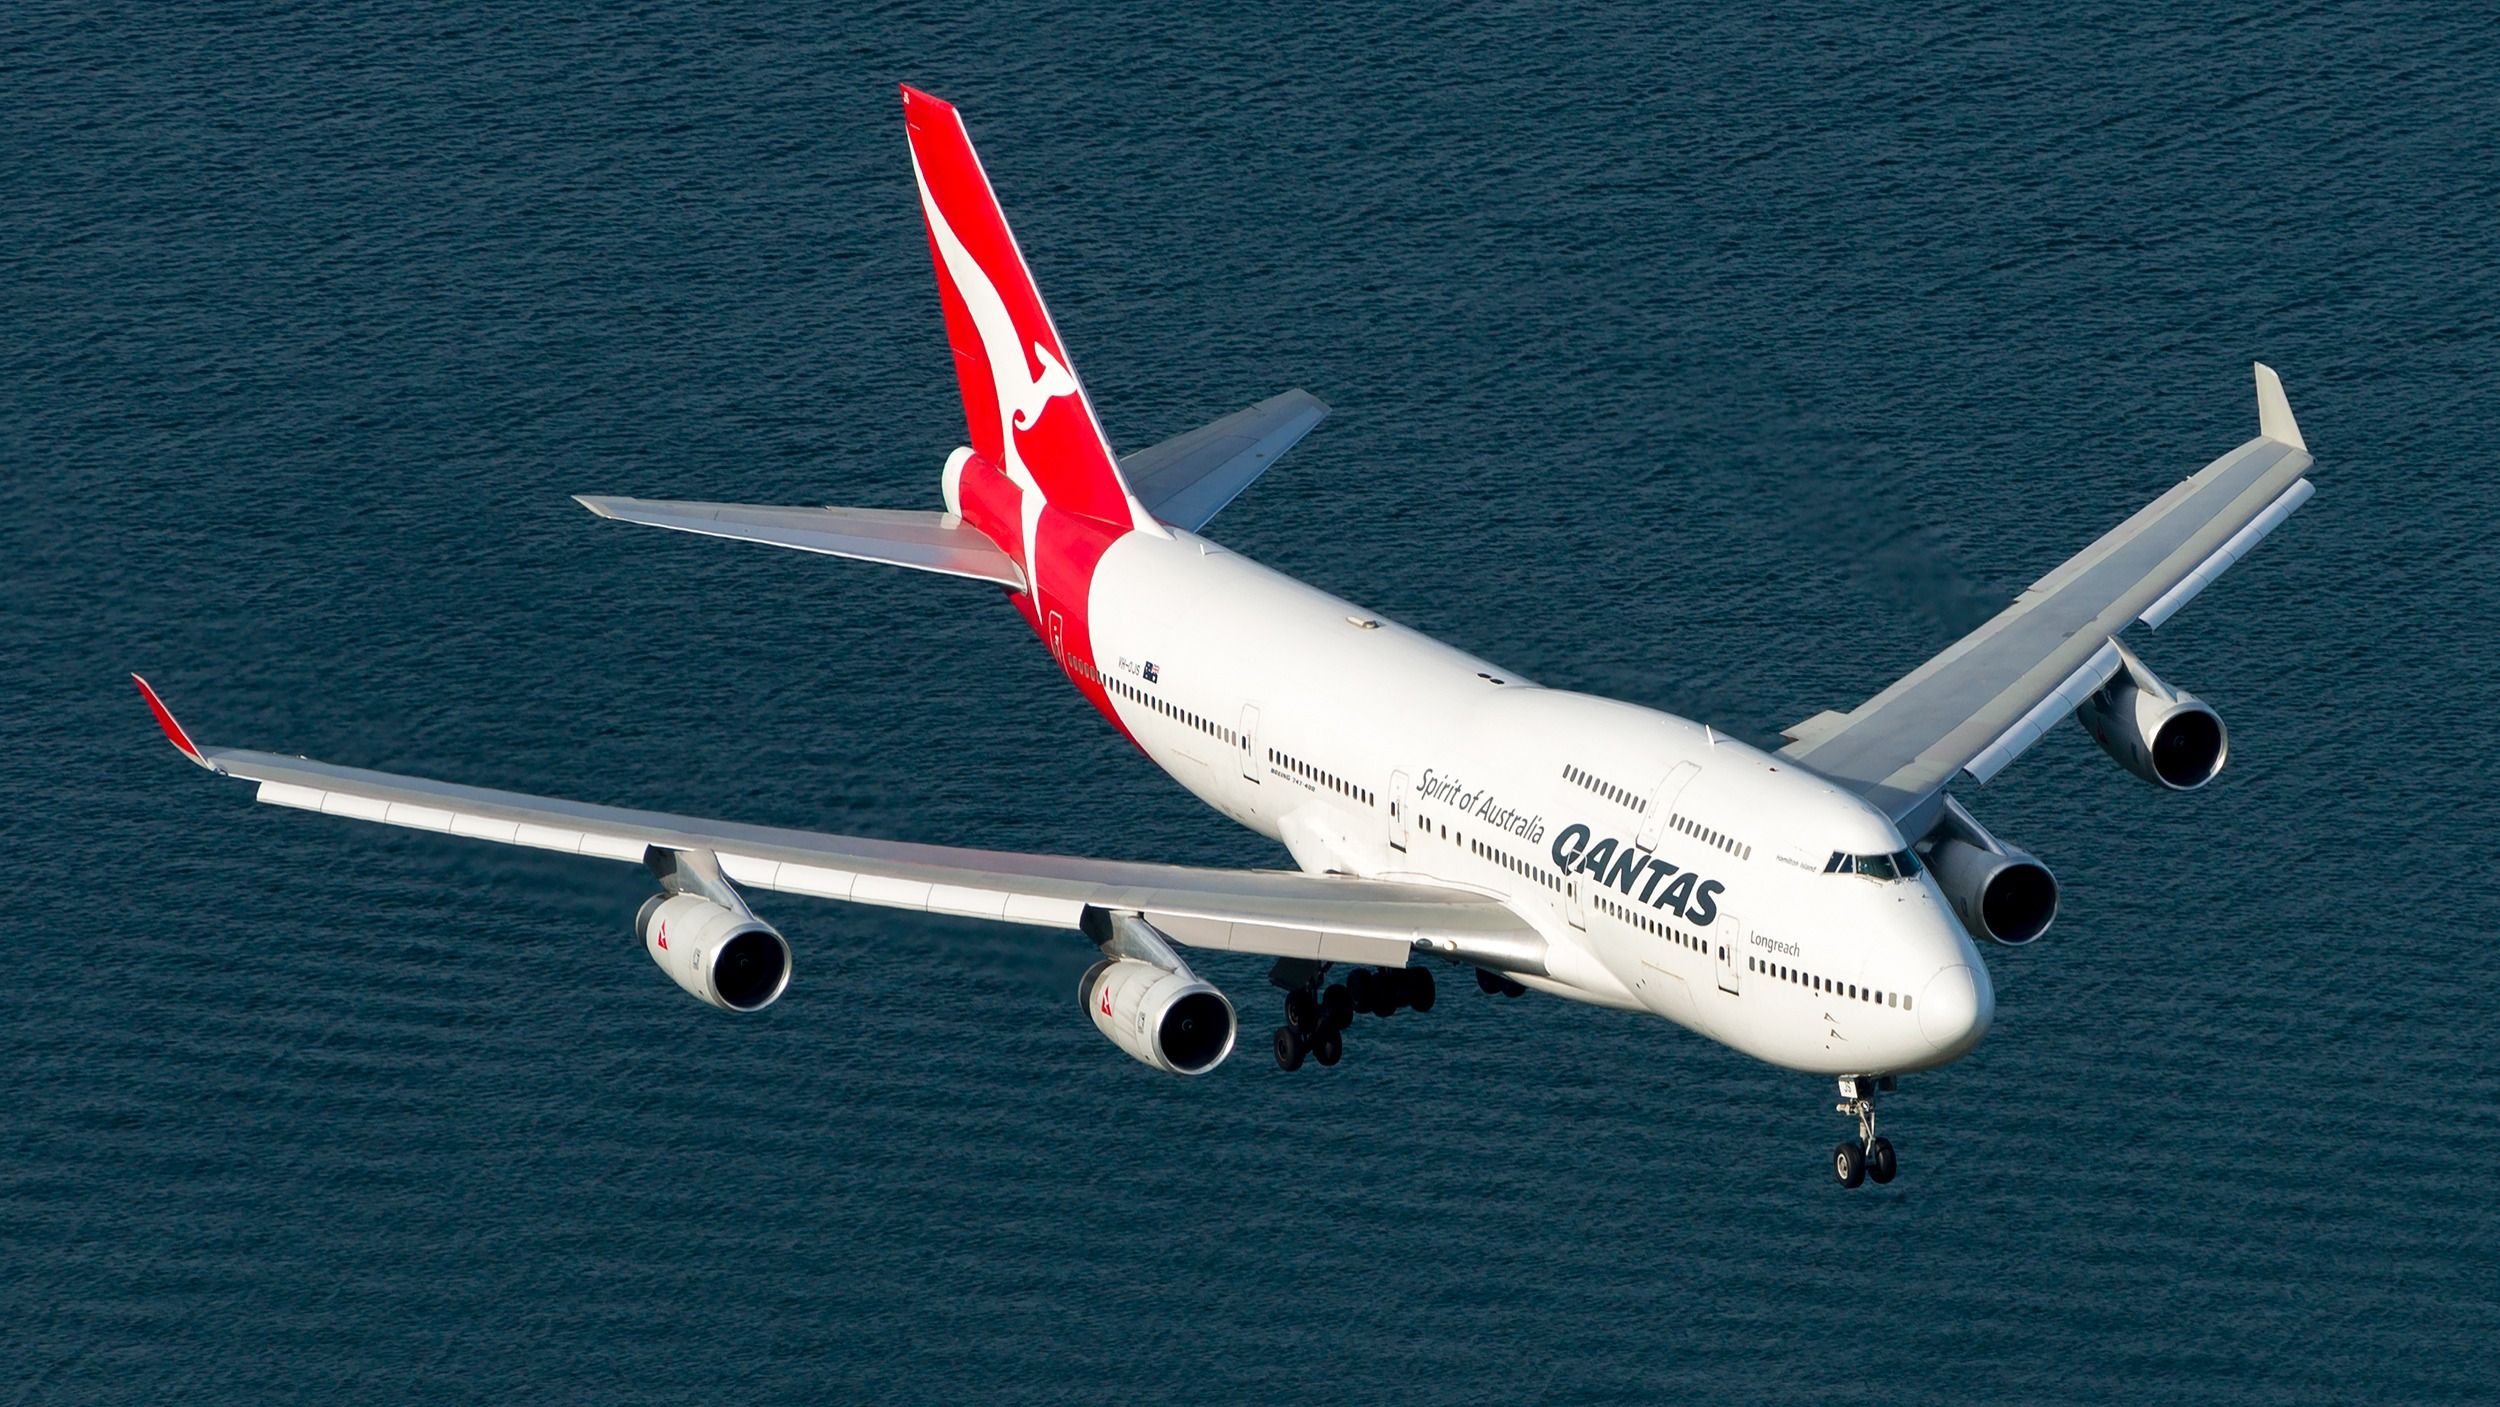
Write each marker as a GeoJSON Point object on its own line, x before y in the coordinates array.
{"type": "Point", "coordinates": [1058, 638]}
{"type": "Point", "coordinates": [1727, 939]}
{"type": "Point", "coordinates": [1401, 809]}
{"type": "Point", "coordinates": [1575, 903]}
{"type": "Point", "coordinates": [1662, 802]}
{"type": "Point", "coordinates": [1250, 741]}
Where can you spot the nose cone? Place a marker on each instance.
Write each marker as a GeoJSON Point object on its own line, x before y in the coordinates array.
{"type": "Point", "coordinates": [1954, 1011]}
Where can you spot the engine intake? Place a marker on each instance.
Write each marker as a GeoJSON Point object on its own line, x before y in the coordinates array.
{"type": "Point", "coordinates": [2169, 738]}
{"type": "Point", "coordinates": [2003, 893]}
{"type": "Point", "coordinates": [732, 960]}
{"type": "Point", "coordinates": [1167, 1018]}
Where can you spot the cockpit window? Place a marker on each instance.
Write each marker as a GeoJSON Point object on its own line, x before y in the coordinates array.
{"type": "Point", "coordinates": [1900, 864]}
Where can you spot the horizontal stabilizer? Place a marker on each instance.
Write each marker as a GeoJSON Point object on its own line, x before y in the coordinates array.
{"type": "Point", "coordinates": [923, 541]}
{"type": "Point", "coordinates": [1187, 479]}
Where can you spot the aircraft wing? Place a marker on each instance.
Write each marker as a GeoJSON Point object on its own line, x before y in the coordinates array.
{"type": "Point", "coordinates": [928, 542]}
{"type": "Point", "coordinates": [1279, 913]}
{"type": "Point", "coordinates": [1187, 479]}
{"type": "Point", "coordinates": [1992, 693]}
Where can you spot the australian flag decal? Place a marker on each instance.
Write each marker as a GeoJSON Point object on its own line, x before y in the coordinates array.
{"type": "Point", "coordinates": [1152, 675]}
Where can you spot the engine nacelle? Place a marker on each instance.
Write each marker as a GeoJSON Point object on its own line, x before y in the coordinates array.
{"type": "Point", "coordinates": [2003, 893]}
{"type": "Point", "coordinates": [1166, 1017]}
{"type": "Point", "coordinates": [2169, 738]}
{"type": "Point", "coordinates": [733, 960]}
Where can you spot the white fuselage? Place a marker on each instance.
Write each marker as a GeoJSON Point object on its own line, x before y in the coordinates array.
{"type": "Point", "coordinates": [1670, 869]}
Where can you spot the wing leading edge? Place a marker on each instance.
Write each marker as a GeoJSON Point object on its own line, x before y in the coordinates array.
{"type": "Point", "coordinates": [1990, 694]}
{"type": "Point", "coordinates": [1274, 912]}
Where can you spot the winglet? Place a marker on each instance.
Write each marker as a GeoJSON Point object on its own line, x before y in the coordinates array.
{"type": "Point", "coordinates": [2274, 413]}
{"type": "Point", "coordinates": [165, 720]}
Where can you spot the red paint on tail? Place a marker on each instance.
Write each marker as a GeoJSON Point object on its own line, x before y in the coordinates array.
{"type": "Point", "coordinates": [1042, 482]}
{"type": "Point", "coordinates": [1023, 407]}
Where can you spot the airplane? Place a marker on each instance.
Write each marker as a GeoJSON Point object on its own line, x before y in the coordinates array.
{"type": "Point", "coordinates": [1817, 907]}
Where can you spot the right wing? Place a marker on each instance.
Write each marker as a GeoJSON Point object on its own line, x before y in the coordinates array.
{"type": "Point", "coordinates": [924, 541]}
{"type": "Point", "coordinates": [1187, 479]}
{"type": "Point", "coordinates": [1279, 913]}
{"type": "Point", "coordinates": [1992, 693]}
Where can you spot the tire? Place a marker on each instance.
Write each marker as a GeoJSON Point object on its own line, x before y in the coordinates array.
{"type": "Point", "coordinates": [1849, 1164]}
{"type": "Point", "coordinates": [1361, 987]}
{"type": "Point", "coordinates": [1301, 1009]}
{"type": "Point", "coordinates": [1419, 989]}
{"type": "Point", "coordinates": [1880, 1164]}
{"type": "Point", "coordinates": [1336, 1008]}
{"type": "Point", "coordinates": [1290, 1048]}
{"type": "Point", "coordinates": [1488, 981]}
{"type": "Point", "coordinates": [1328, 1047]}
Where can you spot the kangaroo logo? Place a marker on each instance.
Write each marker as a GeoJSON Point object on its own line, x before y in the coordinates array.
{"type": "Point", "coordinates": [1023, 392]}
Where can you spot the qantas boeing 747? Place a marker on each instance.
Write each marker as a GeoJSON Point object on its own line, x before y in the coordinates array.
{"type": "Point", "coordinates": [1816, 908]}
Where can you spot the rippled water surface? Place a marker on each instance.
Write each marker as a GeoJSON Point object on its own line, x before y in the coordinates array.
{"type": "Point", "coordinates": [1730, 366]}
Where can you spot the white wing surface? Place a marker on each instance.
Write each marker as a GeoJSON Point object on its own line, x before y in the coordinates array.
{"type": "Point", "coordinates": [1990, 694]}
{"type": "Point", "coordinates": [1274, 912]}
{"type": "Point", "coordinates": [923, 541]}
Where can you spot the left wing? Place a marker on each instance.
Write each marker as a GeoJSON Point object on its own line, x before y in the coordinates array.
{"type": "Point", "coordinates": [1995, 691]}
{"type": "Point", "coordinates": [1280, 913]}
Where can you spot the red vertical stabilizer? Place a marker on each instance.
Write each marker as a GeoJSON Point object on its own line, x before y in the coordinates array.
{"type": "Point", "coordinates": [1022, 404]}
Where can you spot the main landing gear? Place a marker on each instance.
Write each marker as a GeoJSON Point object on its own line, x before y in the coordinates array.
{"type": "Point", "coordinates": [1870, 1156]}
{"type": "Point", "coordinates": [1492, 983]}
{"type": "Point", "coordinates": [1316, 1017]}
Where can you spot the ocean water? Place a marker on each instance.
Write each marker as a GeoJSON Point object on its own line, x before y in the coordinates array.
{"type": "Point", "coordinates": [1728, 364]}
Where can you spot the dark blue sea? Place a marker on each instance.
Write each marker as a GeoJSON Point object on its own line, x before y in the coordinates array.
{"type": "Point", "coordinates": [1727, 363]}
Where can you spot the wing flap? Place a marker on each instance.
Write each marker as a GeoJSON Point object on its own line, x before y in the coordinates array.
{"type": "Point", "coordinates": [922, 541]}
{"type": "Point", "coordinates": [1187, 479]}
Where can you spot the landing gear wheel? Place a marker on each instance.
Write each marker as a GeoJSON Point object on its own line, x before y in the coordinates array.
{"type": "Point", "coordinates": [1849, 1164]}
{"type": "Point", "coordinates": [1488, 981]}
{"type": "Point", "coordinates": [1419, 993]}
{"type": "Point", "coordinates": [1328, 1047]}
{"type": "Point", "coordinates": [1362, 986]}
{"type": "Point", "coordinates": [1301, 1009]}
{"type": "Point", "coordinates": [1880, 1164]}
{"type": "Point", "coordinates": [1290, 1048]}
{"type": "Point", "coordinates": [1336, 1007]}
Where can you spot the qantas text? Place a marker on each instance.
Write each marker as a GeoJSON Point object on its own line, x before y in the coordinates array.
{"type": "Point", "coordinates": [1637, 874]}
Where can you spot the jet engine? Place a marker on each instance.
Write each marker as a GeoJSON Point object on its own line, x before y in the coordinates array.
{"type": "Point", "coordinates": [1149, 1003]}
{"type": "Point", "coordinates": [2167, 737]}
{"type": "Point", "coordinates": [733, 960]}
{"type": "Point", "coordinates": [2003, 893]}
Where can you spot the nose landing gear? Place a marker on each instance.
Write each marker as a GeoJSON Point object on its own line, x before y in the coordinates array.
{"type": "Point", "coordinates": [1870, 1156]}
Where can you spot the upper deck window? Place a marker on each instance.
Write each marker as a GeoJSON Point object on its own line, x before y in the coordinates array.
{"type": "Point", "coordinates": [1900, 864]}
